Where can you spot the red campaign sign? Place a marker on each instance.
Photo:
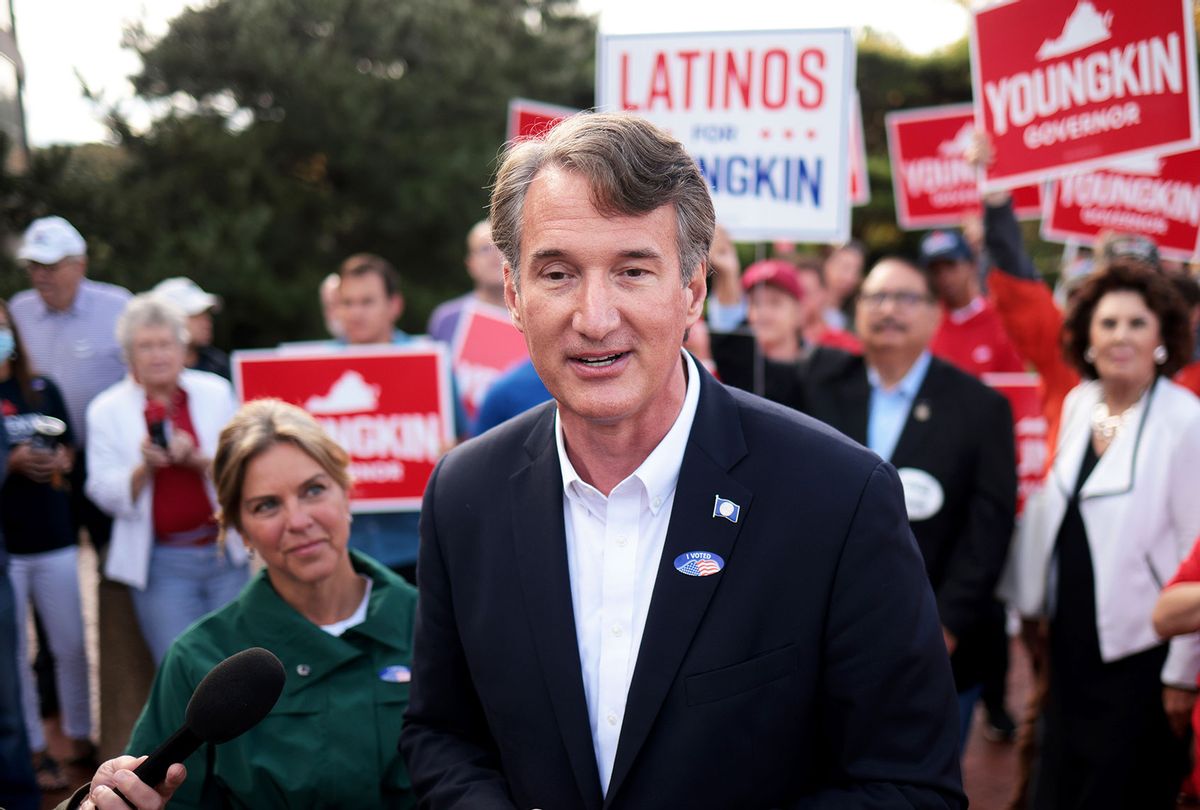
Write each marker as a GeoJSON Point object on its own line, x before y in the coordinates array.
{"type": "Point", "coordinates": [933, 184]}
{"type": "Point", "coordinates": [1029, 424]}
{"type": "Point", "coordinates": [533, 119]}
{"type": "Point", "coordinates": [1068, 85]}
{"type": "Point", "coordinates": [1156, 197]}
{"type": "Point", "coordinates": [860, 184]}
{"type": "Point", "coordinates": [486, 345]}
{"type": "Point", "coordinates": [390, 408]}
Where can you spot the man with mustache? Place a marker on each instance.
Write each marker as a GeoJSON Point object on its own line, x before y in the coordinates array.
{"type": "Point", "coordinates": [949, 436]}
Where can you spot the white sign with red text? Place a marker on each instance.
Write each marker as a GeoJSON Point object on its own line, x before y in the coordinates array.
{"type": "Point", "coordinates": [934, 185]}
{"type": "Point", "coordinates": [765, 114]}
{"type": "Point", "coordinates": [389, 407]}
{"type": "Point", "coordinates": [1063, 86]}
{"type": "Point", "coordinates": [1158, 197]}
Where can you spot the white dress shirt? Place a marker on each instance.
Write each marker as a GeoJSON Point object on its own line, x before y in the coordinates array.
{"type": "Point", "coordinates": [614, 545]}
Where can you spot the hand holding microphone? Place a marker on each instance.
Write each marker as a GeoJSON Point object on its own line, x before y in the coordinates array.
{"type": "Point", "coordinates": [233, 697]}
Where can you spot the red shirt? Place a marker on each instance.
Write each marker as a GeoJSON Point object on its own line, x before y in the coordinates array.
{"type": "Point", "coordinates": [1189, 377]}
{"type": "Point", "coordinates": [840, 339]}
{"type": "Point", "coordinates": [1189, 569]}
{"type": "Point", "coordinates": [181, 503]}
{"type": "Point", "coordinates": [973, 338]}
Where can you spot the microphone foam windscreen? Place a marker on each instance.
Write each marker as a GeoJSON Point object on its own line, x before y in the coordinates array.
{"type": "Point", "coordinates": [235, 695]}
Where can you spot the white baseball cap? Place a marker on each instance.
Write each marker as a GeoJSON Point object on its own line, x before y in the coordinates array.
{"type": "Point", "coordinates": [49, 240]}
{"type": "Point", "coordinates": [187, 295]}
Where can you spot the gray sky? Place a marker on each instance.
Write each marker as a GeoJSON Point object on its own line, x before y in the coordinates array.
{"type": "Point", "coordinates": [60, 38]}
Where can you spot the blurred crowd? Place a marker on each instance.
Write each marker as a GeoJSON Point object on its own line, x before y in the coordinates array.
{"type": "Point", "coordinates": [121, 426]}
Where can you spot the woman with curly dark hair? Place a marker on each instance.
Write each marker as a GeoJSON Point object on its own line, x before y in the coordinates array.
{"type": "Point", "coordinates": [1119, 509]}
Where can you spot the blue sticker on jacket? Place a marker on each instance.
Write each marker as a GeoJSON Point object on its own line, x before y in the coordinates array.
{"type": "Point", "coordinates": [699, 563]}
{"type": "Point", "coordinates": [395, 674]}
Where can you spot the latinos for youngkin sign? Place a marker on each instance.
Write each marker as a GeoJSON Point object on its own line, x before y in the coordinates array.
{"type": "Point", "coordinates": [1064, 86]}
{"type": "Point", "coordinates": [933, 183]}
{"type": "Point", "coordinates": [1157, 197]}
{"type": "Point", "coordinates": [765, 114]}
{"type": "Point", "coordinates": [390, 408]}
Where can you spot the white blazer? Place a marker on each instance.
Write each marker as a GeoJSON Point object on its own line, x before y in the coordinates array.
{"type": "Point", "coordinates": [116, 426]}
{"type": "Point", "coordinates": [1141, 509]}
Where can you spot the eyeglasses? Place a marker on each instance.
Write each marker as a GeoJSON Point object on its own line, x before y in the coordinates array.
{"type": "Point", "coordinates": [902, 300]}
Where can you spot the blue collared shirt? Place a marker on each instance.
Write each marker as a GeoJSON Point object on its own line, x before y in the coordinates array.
{"type": "Point", "coordinates": [76, 347]}
{"type": "Point", "coordinates": [889, 407]}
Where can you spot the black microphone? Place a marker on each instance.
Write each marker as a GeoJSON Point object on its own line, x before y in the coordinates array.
{"type": "Point", "coordinates": [233, 697]}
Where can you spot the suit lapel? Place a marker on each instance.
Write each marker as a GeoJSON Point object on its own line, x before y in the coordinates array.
{"type": "Point", "coordinates": [541, 551]}
{"type": "Point", "coordinates": [918, 431]}
{"type": "Point", "coordinates": [679, 602]}
{"type": "Point", "coordinates": [1114, 471]}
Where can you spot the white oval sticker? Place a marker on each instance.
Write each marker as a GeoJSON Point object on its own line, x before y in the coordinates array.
{"type": "Point", "coordinates": [923, 495]}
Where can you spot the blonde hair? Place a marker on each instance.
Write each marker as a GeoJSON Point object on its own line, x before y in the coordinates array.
{"type": "Point", "coordinates": [254, 429]}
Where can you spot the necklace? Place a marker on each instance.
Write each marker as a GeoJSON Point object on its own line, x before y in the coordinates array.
{"type": "Point", "coordinates": [1106, 425]}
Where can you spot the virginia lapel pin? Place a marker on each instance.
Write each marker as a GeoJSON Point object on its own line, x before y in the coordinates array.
{"type": "Point", "coordinates": [722, 507]}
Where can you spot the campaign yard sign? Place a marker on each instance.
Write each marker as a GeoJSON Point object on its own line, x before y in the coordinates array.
{"type": "Point", "coordinates": [860, 182]}
{"type": "Point", "coordinates": [766, 115]}
{"type": "Point", "coordinates": [486, 345]}
{"type": "Point", "coordinates": [389, 407]}
{"type": "Point", "coordinates": [533, 119]}
{"type": "Point", "coordinates": [933, 183]}
{"type": "Point", "coordinates": [1063, 86]}
{"type": "Point", "coordinates": [1155, 196]}
{"type": "Point", "coordinates": [1023, 391]}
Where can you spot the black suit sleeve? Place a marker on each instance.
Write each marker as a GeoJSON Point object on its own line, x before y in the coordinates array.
{"type": "Point", "coordinates": [451, 757]}
{"type": "Point", "coordinates": [974, 566]}
{"type": "Point", "coordinates": [889, 707]}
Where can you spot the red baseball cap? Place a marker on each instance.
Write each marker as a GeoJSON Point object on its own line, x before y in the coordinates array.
{"type": "Point", "coordinates": [775, 272]}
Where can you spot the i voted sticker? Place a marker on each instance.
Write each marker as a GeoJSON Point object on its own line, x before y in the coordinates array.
{"type": "Point", "coordinates": [395, 674]}
{"type": "Point", "coordinates": [923, 495]}
{"type": "Point", "coordinates": [699, 563]}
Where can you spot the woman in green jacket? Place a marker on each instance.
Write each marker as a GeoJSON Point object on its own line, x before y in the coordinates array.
{"type": "Point", "coordinates": [340, 623]}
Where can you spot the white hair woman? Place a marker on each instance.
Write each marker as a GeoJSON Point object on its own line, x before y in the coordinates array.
{"type": "Point", "coordinates": [151, 438]}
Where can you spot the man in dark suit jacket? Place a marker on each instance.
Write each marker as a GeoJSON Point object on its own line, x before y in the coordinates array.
{"type": "Point", "coordinates": [657, 592]}
{"type": "Point", "coordinates": [953, 446]}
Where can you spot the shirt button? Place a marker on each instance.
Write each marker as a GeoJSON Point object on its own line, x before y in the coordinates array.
{"type": "Point", "coordinates": [622, 540]}
{"type": "Point", "coordinates": [612, 719]}
{"type": "Point", "coordinates": [303, 670]}
{"type": "Point", "coordinates": [616, 630]}
{"type": "Point", "coordinates": [657, 502]}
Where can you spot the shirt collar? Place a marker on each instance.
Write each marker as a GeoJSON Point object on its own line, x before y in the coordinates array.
{"type": "Point", "coordinates": [79, 306]}
{"type": "Point", "coordinates": [964, 314]}
{"type": "Point", "coordinates": [660, 471]}
{"type": "Point", "coordinates": [909, 384]}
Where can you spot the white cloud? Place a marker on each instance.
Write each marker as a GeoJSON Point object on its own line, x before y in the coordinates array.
{"type": "Point", "coordinates": [350, 394]}
{"type": "Point", "coordinates": [1085, 27]}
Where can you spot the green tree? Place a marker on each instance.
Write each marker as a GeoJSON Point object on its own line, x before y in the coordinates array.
{"type": "Point", "coordinates": [291, 133]}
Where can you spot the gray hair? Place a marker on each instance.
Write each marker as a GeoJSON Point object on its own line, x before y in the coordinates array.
{"type": "Point", "coordinates": [633, 168]}
{"type": "Point", "coordinates": [150, 309]}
